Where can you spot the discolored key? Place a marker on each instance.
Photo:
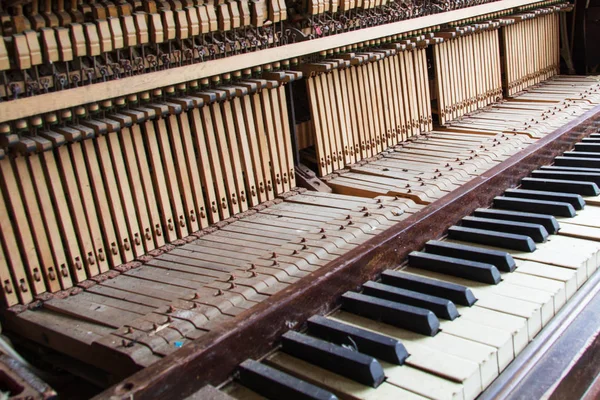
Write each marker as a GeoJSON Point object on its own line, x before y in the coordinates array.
{"type": "Point", "coordinates": [500, 259]}
{"type": "Point", "coordinates": [441, 307]}
{"type": "Point", "coordinates": [411, 318]}
{"type": "Point", "coordinates": [561, 185]}
{"type": "Point", "coordinates": [457, 293]}
{"type": "Point", "coordinates": [473, 270]}
{"type": "Point", "coordinates": [274, 384]}
{"type": "Point", "coordinates": [558, 209]}
{"type": "Point", "coordinates": [537, 232]}
{"type": "Point", "coordinates": [574, 199]}
{"type": "Point", "coordinates": [373, 344]}
{"type": "Point", "coordinates": [340, 360]}
{"type": "Point", "coordinates": [547, 221]}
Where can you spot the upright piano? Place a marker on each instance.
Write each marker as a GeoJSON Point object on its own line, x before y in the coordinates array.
{"type": "Point", "coordinates": [304, 199]}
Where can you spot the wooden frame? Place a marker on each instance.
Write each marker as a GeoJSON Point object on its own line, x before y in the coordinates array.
{"type": "Point", "coordinates": [29, 106]}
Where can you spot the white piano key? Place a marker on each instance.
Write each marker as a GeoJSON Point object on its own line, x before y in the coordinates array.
{"type": "Point", "coordinates": [588, 216]}
{"type": "Point", "coordinates": [500, 339]}
{"type": "Point", "coordinates": [580, 231]}
{"type": "Point", "coordinates": [240, 392]}
{"type": "Point", "coordinates": [592, 200]}
{"type": "Point", "coordinates": [516, 326]}
{"type": "Point", "coordinates": [555, 289]}
{"type": "Point", "coordinates": [565, 275]}
{"type": "Point", "coordinates": [422, 382]}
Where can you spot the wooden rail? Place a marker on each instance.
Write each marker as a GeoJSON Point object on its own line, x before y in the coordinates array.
{"type": "Point", "coordinates": [44, 103]}
{"type": "Point", "coordinates": [214, 357]}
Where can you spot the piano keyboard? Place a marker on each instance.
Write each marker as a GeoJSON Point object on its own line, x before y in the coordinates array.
{"type": "Point", "coordinates": [446, 323]}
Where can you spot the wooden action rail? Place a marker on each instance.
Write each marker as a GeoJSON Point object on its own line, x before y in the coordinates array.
{"type": "Point", "coordinates": [124, 34]}
{"type": "Point", "coordinates": [389, 81]}
{"type": "Point", "coordinates": [68, 233]}
{"type": "Point", "coordinates": [137, 314]}
{"type": "Point", "coordinates": [426, 168]}
{"type": "Point", "coordinates": [535, 33]}
{"type": "Point", "coordinates": [218, 353]}
{"type": "Point", "coordinates": [59, 100]}
{"type": "Point", "coordinates": [466, 147]}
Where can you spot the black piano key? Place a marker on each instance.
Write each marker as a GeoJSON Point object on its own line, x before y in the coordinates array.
{"type": "Point", "coordinates": [441, 307]}
{"type": "Point", "coordinates": [547, 221]}
{"type": "Point", "coordinates": [337, 359]}
{"type": "Point", "coordinates": [588, 147]}
{"type": "Point", "coordinates": [581, 154]}
{"type": "Point", "coordinates": [566, 175]}
{"type": "Point", "coordinates": [560, 185]}
{"type": "Point", "coordinates": [459, 294]}
{"type": "Point", "coordinates": [569, 169]}
{"type": "Point", "coordinates": [500, 259]}
{"type": "Point", "coordinates": [582, 162]}
{"type": "Point", "coordinates": [274, 384]}
{"type": "Point", "coordinates": [411, 318]}
{"type": "Point", "coordinates": [537, 232]}
{"type": "Point", "coordinates": [491, 238]}
{"type": "Point", "coordinates": [558, 209]}
{"type": "Point", "coordinates": [374, 344]}
{"type": "Point", "coordinates": [473, 270]}
{"type": "Point", "coordinates": [574, 199]}
{"type": "Point", "coordinates": [591, 139]}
